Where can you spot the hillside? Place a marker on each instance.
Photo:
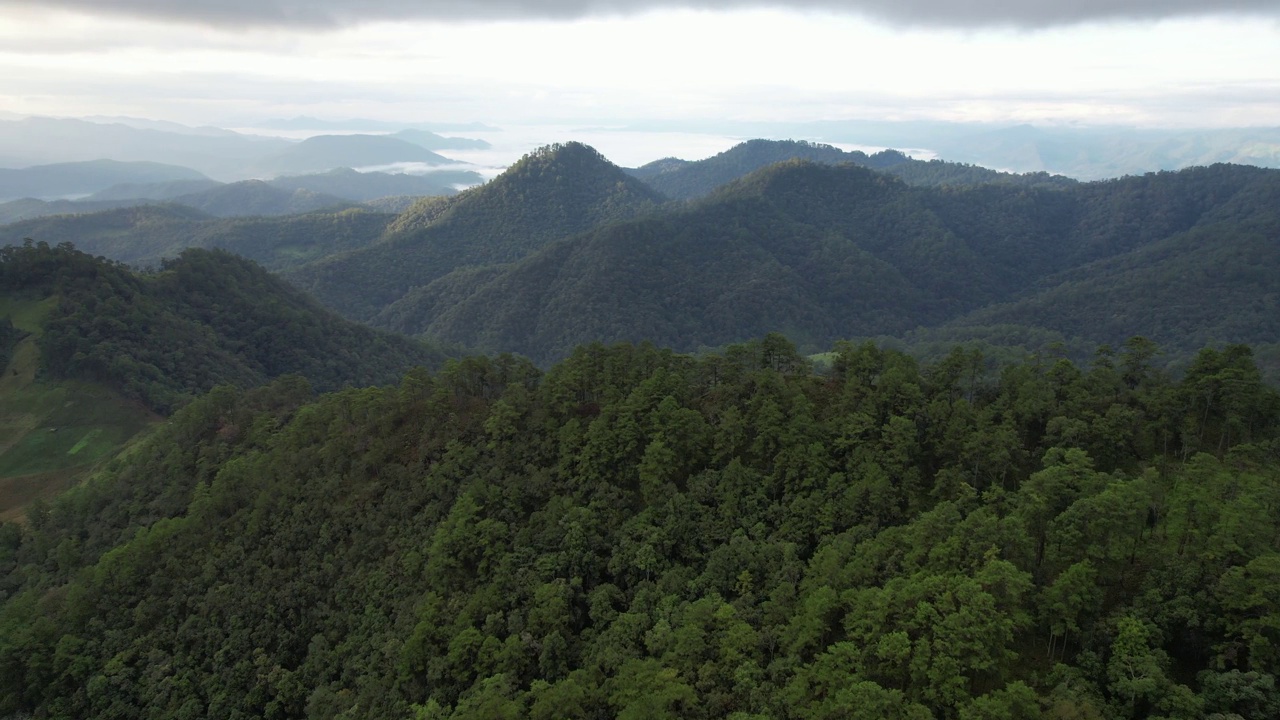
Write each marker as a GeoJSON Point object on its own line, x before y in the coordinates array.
{"type": "Point", "coordinates": [53, 431]}
{"type": "Point", "coordinates": [67, 180]}
{"type": "Point", "coordinates": [685, 180]}
{"type": "Point", "coordinates": [637, 534]}
{"type": "Point", "coordinates": [549, 194]}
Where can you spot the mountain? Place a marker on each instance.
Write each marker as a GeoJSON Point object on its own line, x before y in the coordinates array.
{"type": "Point", "coordinates": [145, 235]}
{"type": "Point", "coordinates": [549, 194]}
{"type": "Point", "coordinates": [684, 180]}
{"type": "Point", "coordinates": [63, 180]}
{"type": "Point", "coordinates": [1081, 152]}
{"type": "Point", "coordinates": [40, 141]}
{"type": "Point", "coordinates": [364, 186]}
{"type": "Point", "coordinates": [823, 252]}
{"type": "Point", "coordinates": [639, 534]}
{"type": "Point", "coordinates": [326, 152]}
{"type": "Point", "coordinates": [818, 252]}
{"type": "Point", "coordinates": [432, 141]}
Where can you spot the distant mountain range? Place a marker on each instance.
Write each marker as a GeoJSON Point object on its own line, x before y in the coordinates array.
{"type": "Point", "coordinates": [821, 252]}
{"type": "Point", "coordinates": [565, 248]}
{"type": "Point", "coordinates": [222, 155]}
{"type": "Point", "coordinates": [72, 179]}
{"type": "Point", "coordinates": [303, 122]}
{"type": "Point", "coordinates": [1084, 153]}
{"type": "Point", "coordinates": [341, 187]}
{"type": "Point", "coordinates": [685, 180]}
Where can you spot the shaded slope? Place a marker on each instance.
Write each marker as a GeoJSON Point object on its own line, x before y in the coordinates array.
{"type": "Point", "coordinates": [817, 252]}
{"type": "Point", "coordinates": [1218, 281]}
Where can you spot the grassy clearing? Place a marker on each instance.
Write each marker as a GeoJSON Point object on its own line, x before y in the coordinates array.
{"type": "Point", "coordinates": [27, 315]}
{"type": "Point", "coordinates": [53, 434]}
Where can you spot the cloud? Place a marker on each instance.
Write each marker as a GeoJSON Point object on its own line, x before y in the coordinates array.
{"type": "Point", "coordinates": [324, 14]}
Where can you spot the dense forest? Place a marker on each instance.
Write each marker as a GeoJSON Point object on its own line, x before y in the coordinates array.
{"type": "Point", "coordinates": [824, 253]}
{"type": "Point", "coordinates": [204, 319]}
{"type": "Point", "coordinates": [641, 534]}
{"type": "Point", "coordinates": [566, 248]}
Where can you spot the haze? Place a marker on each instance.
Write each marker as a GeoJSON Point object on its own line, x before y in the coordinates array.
{"type": "Point", "coordinates": [1150, 64]}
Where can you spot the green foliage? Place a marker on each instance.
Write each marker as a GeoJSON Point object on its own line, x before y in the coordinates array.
{"type": "Point", "coordinates": [637, 533]}
{"type": "Point", "coordinates": [205, 319]}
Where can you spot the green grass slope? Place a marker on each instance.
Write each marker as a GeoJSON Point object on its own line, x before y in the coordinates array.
{"type": "Point", "coordinates": [53, 432]}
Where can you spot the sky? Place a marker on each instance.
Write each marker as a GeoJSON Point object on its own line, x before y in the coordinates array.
{"type": "Point", "coordinates": [231, 63]}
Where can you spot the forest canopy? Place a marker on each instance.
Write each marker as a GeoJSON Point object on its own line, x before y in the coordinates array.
{"type": "Point", "coordinates": [641, 534]}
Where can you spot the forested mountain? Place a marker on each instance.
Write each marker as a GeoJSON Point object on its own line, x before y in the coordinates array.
{"type": "Point", "coordinates": [550, 194]}
{"type": "Point", "coordinates": [67, 180]}
{"type": "Point", "coordinates": [204, 319]}
{"type": "Point", "coordinates": [637, 534]}
{"type": "Point", "coordinates": [145, 235]}
{"type": "Point", "coordinates": [684, 180]}
{"type": "Point", "coordinates": [826, 252]}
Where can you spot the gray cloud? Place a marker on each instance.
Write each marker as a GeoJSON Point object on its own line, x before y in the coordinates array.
{"type": "Point", "coordinates": [927, 13]}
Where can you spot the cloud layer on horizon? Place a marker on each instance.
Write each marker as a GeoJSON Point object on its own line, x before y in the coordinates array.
{"type": "Point", "coordinates": [324, 14]}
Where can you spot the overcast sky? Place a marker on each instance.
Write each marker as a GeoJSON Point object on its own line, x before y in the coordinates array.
{"type": "Point", "coordinates": [1141, 62]}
